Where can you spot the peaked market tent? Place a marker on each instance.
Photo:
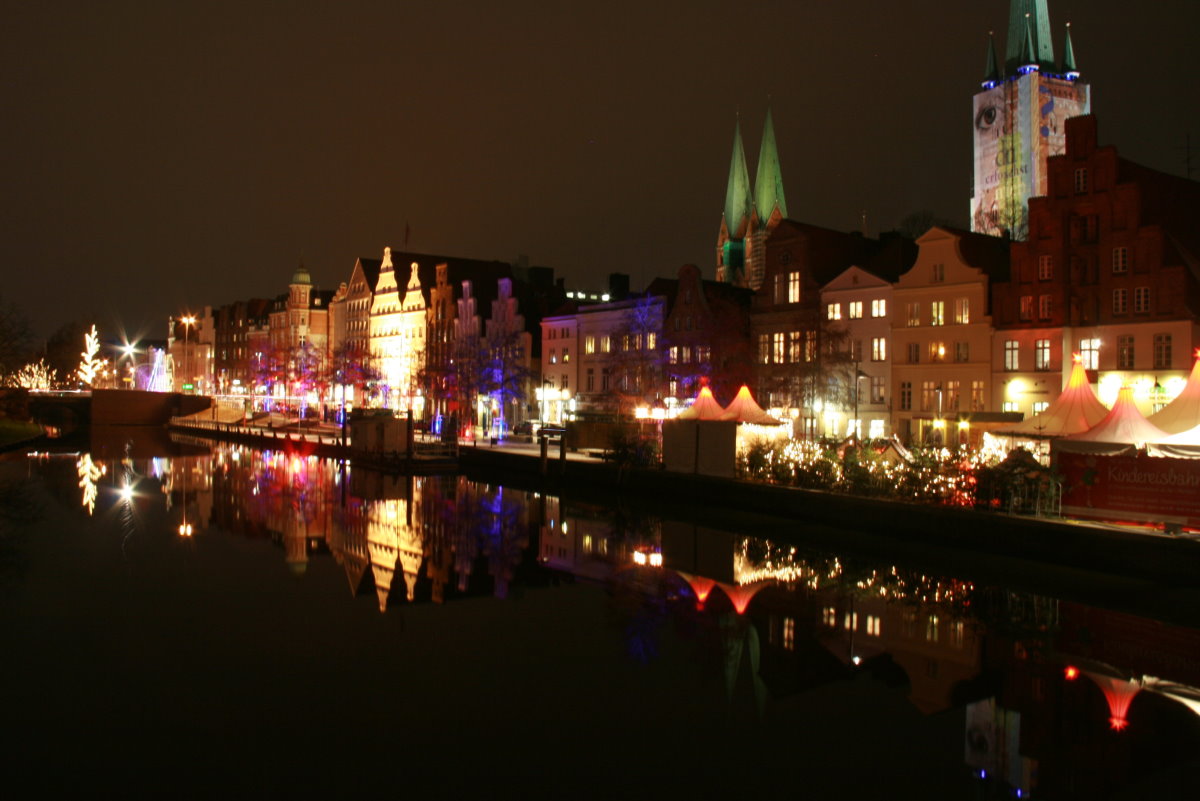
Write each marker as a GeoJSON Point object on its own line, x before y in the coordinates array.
{"type": "Point", "coordinates": [1124, 426]}
{"type": "Point", "coordinates": [1183, 413]}
{"type": "Point", "coordinates": [705, 407]}
{"type": "Point", "coordinates": [743, 409]}
{"type": "Point", "coordinates": [1075, 411]}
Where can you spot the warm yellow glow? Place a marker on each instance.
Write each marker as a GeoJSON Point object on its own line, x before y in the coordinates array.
{"type": "Point", "coordinates": [641, 412]}
{"type": "Point", "coordinates": [1015, 388]}
{"type": "Point", "coordinates": [639, 558]}
{"type": "Point", "coordinates": [963, 425]}
{"type": "Point", "coordinates": [939, 423]}
{"type": "Point", "coordinates": [1109, 387]}
{"type": "Point", "coordinates": [185, 529]}
{"type": "Point", "coordinates": [656, 559]}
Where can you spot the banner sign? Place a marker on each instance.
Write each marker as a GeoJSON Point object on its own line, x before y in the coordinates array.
{"type": "Point", "coordinates": [1141, 488]}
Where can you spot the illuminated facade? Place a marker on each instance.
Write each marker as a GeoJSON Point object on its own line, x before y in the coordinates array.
{"type": "Point", "coordinates": [397, 335]}
{"type": "Point", "coordinates": [751, 212]}
{"type": "Point", "coordinates": [1108, 271]}
{"type": "Point", "coordinates": [1019, 120]}
{"type": "Point", "coordinates": [860, 303]}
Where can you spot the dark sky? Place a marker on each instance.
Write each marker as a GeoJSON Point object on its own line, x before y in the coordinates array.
{"type": "Point", "coordinates": [162, 156]}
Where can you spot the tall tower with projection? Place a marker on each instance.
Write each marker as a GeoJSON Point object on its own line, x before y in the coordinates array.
{"type": "Point", "coordinates": [751, 212]}
{"type": "Point", "coordinates": [1019, 119]}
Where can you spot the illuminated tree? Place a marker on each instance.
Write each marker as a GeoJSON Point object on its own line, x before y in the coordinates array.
{"type": "Point", "coordinates": [90, 366]}
{"type": "Point", "coordinates": [35, 375]}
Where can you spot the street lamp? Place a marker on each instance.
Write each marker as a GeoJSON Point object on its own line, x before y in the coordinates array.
{"type": "Point", "coordinates": [188, 322]}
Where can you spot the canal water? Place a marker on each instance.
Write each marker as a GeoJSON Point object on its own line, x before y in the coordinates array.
{"type": "Point", "coordinates": [227, 621]}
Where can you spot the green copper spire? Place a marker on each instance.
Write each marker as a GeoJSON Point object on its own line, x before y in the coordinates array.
{"type": "Point", "coordinates": [1068, 66]}
{"type": "Point", "coordinates": [991, 72]}
{"type": "Point", "coordinates": [737, 193]}
{"type": "Point", "coordinates": [768, 180]}
{"type": "Point", "coordinates": [1034, 46]}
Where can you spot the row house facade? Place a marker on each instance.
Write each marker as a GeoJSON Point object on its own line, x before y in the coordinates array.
{"type": "Point", "coordinates": [942, 337]}
{"type": "Point", "coordinates": [806, 356]}
{"type": "Point", "coordinates": [239, 331]}
{"type": "Point", "coordinates": [1111, 271]}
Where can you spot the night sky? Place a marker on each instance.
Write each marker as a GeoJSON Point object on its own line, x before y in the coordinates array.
{"type": "Point", "coordinates": [162, 156]}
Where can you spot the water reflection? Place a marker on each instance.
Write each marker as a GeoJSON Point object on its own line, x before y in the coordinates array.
{"type": "Point", "coordinates": [1056, 698]}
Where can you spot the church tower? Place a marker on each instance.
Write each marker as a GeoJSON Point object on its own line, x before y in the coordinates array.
{"type": "Point", "coordinates": [1019, 119]}
{"type": "Point", "coordinates": [751, 213]}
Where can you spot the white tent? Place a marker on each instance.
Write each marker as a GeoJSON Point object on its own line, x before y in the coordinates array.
{"type": "Point", "coordinates": [705, 407]}
{"type": "Point", "coordinates": [743, 409]}
{"type": "Point", "coordinates": [1183, 413]}
{"type": "Point", "coordinates": [1074, 411]}
{"type": "Point", "coordinates": [1121, 428]}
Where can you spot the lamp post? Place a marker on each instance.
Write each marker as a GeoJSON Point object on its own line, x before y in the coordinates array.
{"type": "Point", "coordinates": [188, 322]}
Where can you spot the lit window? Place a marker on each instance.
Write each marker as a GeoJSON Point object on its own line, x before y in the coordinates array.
{"type": "Point", "coordinates": [956, 633]}
{"type": "Point", "coordinates": [873, 625]}
{"type": "Point", "coordinates": [879, 308]}
{"type": "Point", "coordinates": [793, 287]}
{"type": "Point", "coordinates": [566, 355]}
{"type": "Point", "coordinates": [651, 340]}
{"type": "Point", "coordinates": [962, 311]}
{"type": "Point", "coordinates": [931, 628]}
{"type": "Point", "coordinates": [795, 347]}
{"type": "Point", "coordinates": [777, 349]}
{"type": "Point", "coordinates": [1089, 351]}
{"type": "Point", "coordinates": [829, 616]}
{"type": "Point", "coordinates": [1011, 355]}
{"type": "Point", "coordinates": [1041, 354]}
{"type": "Point", "coordinates": [1009, 406]}
{"type": "Point", "coordinates": [834, 311]}
{"type": "Point", "coordinates": [850, 621]}
{"type": "Point", "coordinates": [879, 349]}
{"type": "Point", "coordinates": [764, 348]}
{"type": "Point", "coordinates": [856, 310]}
{"type": "Point", "coordinates": [1040, 406]}
{"type": "Point", "coordinates": [914, 315]}
{"type": "Point", "coordinates": [937, 351]}
{"type": "Point", "coordinates": [929, 396]}
{"type": "Point", "coordinates": [978, 403]}
{"type": "Point", "coordinates": [606, 344]}
{"type": "Point", "coordinates": [789, 633]}
{"type": "Point", "coordinates": [937, 312]}
{"type": "Point", "coordinates": [673, 355]}
{"type": "Point", "coordinates": [589, 344]}
{"type": "Point", "coordinates": [553, 356]}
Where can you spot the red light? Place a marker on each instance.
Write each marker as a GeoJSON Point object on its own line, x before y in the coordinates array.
{"type": "Point", "coordinates": [1118, 724]}
{"type": "Point", "coordinates": [1071, 673]}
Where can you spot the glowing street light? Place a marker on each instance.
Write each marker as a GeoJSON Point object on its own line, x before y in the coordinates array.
{"type": "Point", "coordinates": [188, 321]}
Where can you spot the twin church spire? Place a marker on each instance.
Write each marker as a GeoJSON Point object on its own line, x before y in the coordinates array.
{"type": "Point", "coordinates": [751, 211]}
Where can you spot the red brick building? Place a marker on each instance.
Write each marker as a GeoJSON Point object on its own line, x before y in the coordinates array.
{"type": "Point", "coordinates": [1111, 270]}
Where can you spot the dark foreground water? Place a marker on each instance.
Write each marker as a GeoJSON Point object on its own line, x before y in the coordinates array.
{"type": "Point", "coordinates": [328, 632]}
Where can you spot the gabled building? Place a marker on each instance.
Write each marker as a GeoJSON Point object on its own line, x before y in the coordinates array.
{"type": "Point", "coordinates": [706, 336]}
{"type": "Point", "coordinates": [397, 335]}
{"type": "Point", "coordinates": [941, 337]}
{"type": "Point", "coordinates": [1111, 270]}
{"type": "Point", "coordinates": [803, 354]}
{"type": "Point", "coordinates": [858, 304]}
